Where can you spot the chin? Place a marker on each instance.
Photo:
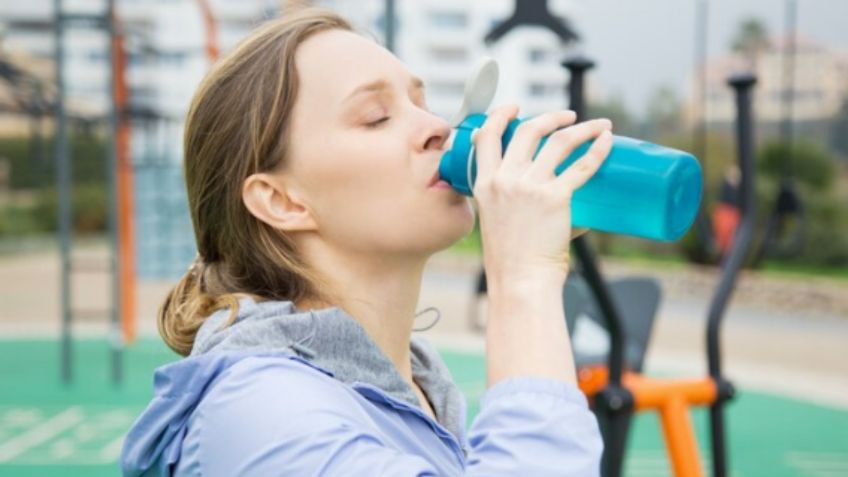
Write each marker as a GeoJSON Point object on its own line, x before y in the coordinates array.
{"type": "Point", "coordinates": [454, 230]}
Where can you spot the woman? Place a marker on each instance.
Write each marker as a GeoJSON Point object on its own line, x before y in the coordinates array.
{"type": "Point", "coordinates": [311, 169]}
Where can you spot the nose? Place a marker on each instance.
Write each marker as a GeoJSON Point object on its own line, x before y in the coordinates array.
{"type": "Point", "coordinates": [435, 134]}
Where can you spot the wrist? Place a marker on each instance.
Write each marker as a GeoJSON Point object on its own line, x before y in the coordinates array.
{"type": "Point", "coordinates": [526, 282]}
{"type": "Point", "coordinates": [526, 277]}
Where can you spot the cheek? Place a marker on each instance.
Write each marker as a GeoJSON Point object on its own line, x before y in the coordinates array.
{"type": "Point", "coordinates": [365, 197]}
{"type": "Point", "coordinates": [356, 190]}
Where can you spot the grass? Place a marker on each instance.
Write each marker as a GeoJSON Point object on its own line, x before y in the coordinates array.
{"type": "Point", "coordinates": [628, 253]}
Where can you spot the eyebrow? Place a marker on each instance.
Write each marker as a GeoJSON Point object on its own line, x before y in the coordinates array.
{"type": "Point", "coordinates": [381, 84]}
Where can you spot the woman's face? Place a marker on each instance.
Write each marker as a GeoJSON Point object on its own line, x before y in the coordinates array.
{"type": "Point", "coordinates": [365, 149]}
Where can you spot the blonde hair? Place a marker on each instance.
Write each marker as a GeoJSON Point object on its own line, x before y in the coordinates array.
{"type": "Point", "coordinates": [239, 124]}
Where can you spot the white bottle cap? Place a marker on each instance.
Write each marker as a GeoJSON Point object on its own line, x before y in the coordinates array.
{"type": "Point", "coordinates": [479, 90]}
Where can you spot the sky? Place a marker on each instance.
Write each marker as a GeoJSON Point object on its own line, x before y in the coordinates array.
{"type": "Point", "coordinates": [639, 45]}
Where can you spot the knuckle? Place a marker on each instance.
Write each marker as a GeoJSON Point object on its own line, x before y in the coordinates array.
{"type": "Point", "coordinates": [599, 125]}
{"type": "Point", "coordinates": [584, 167]}
{"type": "Point", "coordinates": [505, 109]}
{"type": "Point", "coordinates": [485, 133]}
{"type": "Point", "coordinates": [500, 183]}
{"type": "Point", "coordinates": [530, 128]}
{"type": "Point", "coordinates": [596, 155]}
{"type": "Point", "coordinates": [562, 138]}
{"type": "Point", "coordinates": [482, 189]}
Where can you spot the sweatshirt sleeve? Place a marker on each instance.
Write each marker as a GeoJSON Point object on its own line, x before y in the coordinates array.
{"type": "Point", "coordinates": [534, 426]}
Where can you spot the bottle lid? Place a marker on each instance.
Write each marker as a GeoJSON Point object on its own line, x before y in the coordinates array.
{"type": "Point", "coordinates": [480, 88]}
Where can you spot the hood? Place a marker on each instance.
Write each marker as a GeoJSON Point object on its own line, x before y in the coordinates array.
{"type": "Point", "coordinates": [328, 340]}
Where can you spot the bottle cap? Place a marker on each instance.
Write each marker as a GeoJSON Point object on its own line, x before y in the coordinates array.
{"type": "Point", "coordinates": [480, 88]}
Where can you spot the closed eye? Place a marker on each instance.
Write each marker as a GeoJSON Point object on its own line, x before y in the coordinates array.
{"type": "Point", "coordinates": [377, 123]}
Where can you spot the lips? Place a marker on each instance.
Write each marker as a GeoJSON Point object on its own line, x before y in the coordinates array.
{"type": "Point", "coordinates": [434, 179]}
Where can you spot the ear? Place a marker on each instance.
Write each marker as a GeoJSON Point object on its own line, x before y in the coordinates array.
{"type": "Point", "coordinates": [270, 200]}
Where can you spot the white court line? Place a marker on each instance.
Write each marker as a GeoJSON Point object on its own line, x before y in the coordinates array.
{"type": "Point", "coordinates": [40, 433]}
{"type": "Point", "coordinates": [818, 455]}
{"type": "Point", "coordinates": [112, 451]}
{"type": "Point", "coordinates": [819, 463]}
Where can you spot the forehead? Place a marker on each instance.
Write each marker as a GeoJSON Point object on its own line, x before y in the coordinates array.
{"type": "Point", "coordinates": [333, 63]}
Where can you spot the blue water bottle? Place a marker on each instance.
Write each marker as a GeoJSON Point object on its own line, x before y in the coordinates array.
{"type": "Point", "coordinates": [642, 189]}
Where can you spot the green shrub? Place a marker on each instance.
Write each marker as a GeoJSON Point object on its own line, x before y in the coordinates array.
{"type": "Point", "coordinates": [810, 163]}
{"type": "Point", "coordinates": [90, 213]}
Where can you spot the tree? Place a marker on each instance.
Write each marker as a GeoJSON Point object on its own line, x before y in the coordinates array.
{"type": "Point", "coordinates": [616, 111]}
{"type": "Point", "coordinates": [751, 40]}
{"type": "Point", "coordinates": [839, 130]}
{"type": "Point", "coordinates": [811, 164]}
{"type": "Point", "coordinates": [663, 118]}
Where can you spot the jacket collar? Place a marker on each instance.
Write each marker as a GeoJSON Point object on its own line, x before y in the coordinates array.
{"type": "Point", "coordinates": [333, 341]}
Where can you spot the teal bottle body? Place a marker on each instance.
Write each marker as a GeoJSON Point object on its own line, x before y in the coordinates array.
{"type": "Point", "coordinates": [642, 189]}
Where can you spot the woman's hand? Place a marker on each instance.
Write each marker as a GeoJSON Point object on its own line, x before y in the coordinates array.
{"type": "Point", "coordinates": [525, 209]}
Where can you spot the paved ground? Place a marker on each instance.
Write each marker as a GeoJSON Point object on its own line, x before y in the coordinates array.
{"type": "Point", "coordinates": [791, 418]}
{"type": "Point", "coordinates": [771, 348]}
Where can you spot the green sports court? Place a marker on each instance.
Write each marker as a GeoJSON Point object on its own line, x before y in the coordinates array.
{"type": "Point", "coordinates": [718, 217]}
{"type": "Point", "coordinates": [49, 430]}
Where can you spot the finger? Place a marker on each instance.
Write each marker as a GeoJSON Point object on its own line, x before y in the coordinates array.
{"type": "Point", "coordinates": [573, 177]}
{"type": "Point", "coordinates": [561, 144]}
{"type": "Point", "coordinates": [487, 139]}
{"type": "Point", "coordinates": [527, 136]}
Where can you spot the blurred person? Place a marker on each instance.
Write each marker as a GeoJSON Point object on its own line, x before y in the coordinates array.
{"type": "Point", "coordinates": [311, 171]}
{"type": "Point", "coordinates": [726, 214]}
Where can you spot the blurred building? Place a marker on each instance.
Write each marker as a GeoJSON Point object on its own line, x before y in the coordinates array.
{"type": "Point", "coordinates": [440, 40]}
{"type": "Point", "coordinates": [820, 84]}
{"type": "Point", "coordinates": [166, 42]}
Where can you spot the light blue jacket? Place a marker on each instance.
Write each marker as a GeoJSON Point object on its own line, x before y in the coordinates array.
{"type": "Point", "coordinates": [284, 392]}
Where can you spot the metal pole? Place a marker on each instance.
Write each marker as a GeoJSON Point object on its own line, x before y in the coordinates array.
{"type": "Point", "coordinates": [390, 25]}
{"type": "Point", "coordinates": [789, 81]}
{"type": "Point", "coordinates": [614, 402]}
{"type": "Point", "coordinates": [117, 338]}
{"type": "Point", "coordinates": [743, 86]}
{"type": "Point", "coordinates": [701, 21]}
{"type": "Point", "coordinates": [63, 188]}
{"type": "Point", "coordinates": [578, 67]}
{"type": "Point", "coordinates": [703, 229]}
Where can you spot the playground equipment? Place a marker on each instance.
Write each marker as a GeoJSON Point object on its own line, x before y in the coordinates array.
{"type": "Point", "coordinates": [121, 261]}
{"type": "Point", "coordinates": [121, 118]}
{"type": "Point", "coordinates": [626, 308]}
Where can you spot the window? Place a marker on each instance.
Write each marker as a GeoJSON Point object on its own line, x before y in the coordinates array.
{"type": "Point", "coordinates": [97, 55]}
{"type": "Point", "coordinates": [380, 23]}
{"type": "Point", "coordinates": [172, 58]}
{"type": "Point", "coordinates": [537, 90]}
{"type": "Point", "coordinates": [537, 55]}
{"type": "Point", "coordinates": [445, 19]}
{"type": "Point", "coordinates": [445, 53]}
